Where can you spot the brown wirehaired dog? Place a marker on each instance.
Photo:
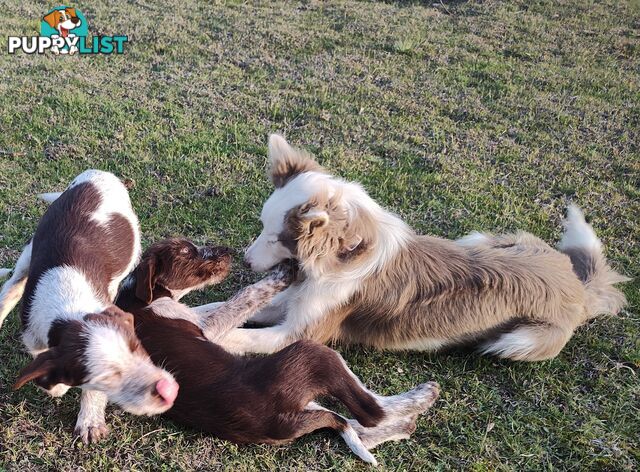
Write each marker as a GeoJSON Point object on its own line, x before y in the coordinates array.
{"type": "Point", "coordinates": [251, 400]}
{"type": "Point", "coordinates": [368, 278]}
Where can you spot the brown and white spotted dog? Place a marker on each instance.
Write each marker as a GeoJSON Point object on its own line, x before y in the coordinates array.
{"type": "Point", "coordinates": [251, 400]}
{"type": "Point", "coordinates": [85, 244]}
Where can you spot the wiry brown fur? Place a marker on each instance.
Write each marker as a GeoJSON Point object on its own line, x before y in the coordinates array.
{"type": "Point", "coordinates": [267, 399]}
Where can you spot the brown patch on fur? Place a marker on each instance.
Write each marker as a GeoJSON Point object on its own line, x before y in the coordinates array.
{"type": "Point", "coordinates": [66, 235]}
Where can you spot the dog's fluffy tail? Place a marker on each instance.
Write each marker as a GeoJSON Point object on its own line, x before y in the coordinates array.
{"type": "Point", "coordinates": [13, 289]}
{"type": "Point", "coordinates": [583, 247]}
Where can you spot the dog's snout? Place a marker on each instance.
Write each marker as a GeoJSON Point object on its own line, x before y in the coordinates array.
{"type": "Point", "coordinates": [75, 20]}
{"type": "Point", "coordinates": [216, 252]}
{"type": "Point", "coordinates": [167, 390]}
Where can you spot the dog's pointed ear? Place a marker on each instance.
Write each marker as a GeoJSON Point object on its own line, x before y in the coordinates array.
{"type": "Point", "coordinates": [286, 162]}
{"type": "Point", "coordinates": [146, 278]}
{"type": "Point", "coordinates": [53, 18]}
{"type": "Point", "coordinates": [41, 368]}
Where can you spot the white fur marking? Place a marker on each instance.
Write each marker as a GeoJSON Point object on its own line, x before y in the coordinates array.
{"type": "Point", "coordinates": [577, 232]}
{"type": "Point", "coordinates": [49, 197]}
{"type": "Point", "coordinates": [349, 435]}
{"type": "Point", "coordinates": [472, 239]}
{"type": "Point", "coordinates": [61, 293]}
{"type": "Point", "coordinates": [169, 308]}
{"type": "Point", "coordinates": [518, 343]}
{"type": "Point", "coordinates": [419, 345]}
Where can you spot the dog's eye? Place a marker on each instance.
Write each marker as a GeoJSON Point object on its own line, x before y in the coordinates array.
{"type": "Point", "coordinates": [184, 250]}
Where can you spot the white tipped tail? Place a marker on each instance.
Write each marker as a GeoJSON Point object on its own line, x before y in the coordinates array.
{"type": "Point", "coordinates": [357, 447]}
{"type": "Point", "coordinates": [583, 247]}
{"type": "Point", "coordinates": [577, 232]}
{"type": "Point", "coordinates": [49, 197]}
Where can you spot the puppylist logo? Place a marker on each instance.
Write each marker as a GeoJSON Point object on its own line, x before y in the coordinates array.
{"type": "Point", "coordinates": [64, 30]}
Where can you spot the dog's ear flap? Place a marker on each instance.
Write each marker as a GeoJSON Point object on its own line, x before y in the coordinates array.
{"type": "Point", "coordinates": [71, 11]}
{"type": "Point", "coordinates": [40, 368]}
{"type": "Point", "coordinates": [312, 219]}
{"type": "Point", "coordinates": [351, 243]}
{"type": "Point", "coordinates": [286, 162]}
{"type": "Point", "coordinates": [53, 18]}
{"type": "Point", "coordinates": [146, 278]}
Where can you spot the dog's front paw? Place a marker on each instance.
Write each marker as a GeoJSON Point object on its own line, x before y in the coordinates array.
{"type": "Point", "coordinates": [284, 274]}
{"type": "Point", "coordinates": [91, 432]}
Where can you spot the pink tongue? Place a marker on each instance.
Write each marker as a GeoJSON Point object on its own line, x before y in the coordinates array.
{"type": "Point", "coordinates": [64, 32]}
{"type": "Point", "coordinates": [168, 390]}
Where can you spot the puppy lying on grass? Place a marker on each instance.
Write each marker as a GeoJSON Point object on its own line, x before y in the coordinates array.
{"type": "Point", "coordinates": [251, 400]}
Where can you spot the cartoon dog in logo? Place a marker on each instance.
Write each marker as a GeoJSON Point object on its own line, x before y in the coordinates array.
{"type": "Point", "coordinates": [64, 21]}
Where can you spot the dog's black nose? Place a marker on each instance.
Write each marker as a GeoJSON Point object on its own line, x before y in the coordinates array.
{"type": "Point", "coordinates": [75, 19]}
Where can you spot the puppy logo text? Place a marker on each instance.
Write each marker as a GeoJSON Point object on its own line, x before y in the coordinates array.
{"type": "Point", "coordinates": [64, 30]}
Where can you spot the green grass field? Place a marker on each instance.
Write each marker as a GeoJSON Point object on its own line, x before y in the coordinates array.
{"type": "Point", "coordinates": [457, 115]}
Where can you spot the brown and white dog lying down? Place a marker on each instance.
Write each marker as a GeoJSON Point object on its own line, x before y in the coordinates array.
{"type": "Point", "coordinates": [251, 400]}
{"type": "Point", "coordinates": [368, 278]}
{"type": "Point", "coordinates": [85, 244]}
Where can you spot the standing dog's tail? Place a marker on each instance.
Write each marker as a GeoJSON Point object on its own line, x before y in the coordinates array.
{"type": "Point", "coordinates": [13, 288]}
{"type": "Point", "coordinates": [583, 247]}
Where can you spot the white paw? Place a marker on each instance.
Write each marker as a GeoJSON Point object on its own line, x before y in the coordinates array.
{"type": "Point", "coordinates": [58, 390]}
{"type": "Point", "coordinates": [91, 431]}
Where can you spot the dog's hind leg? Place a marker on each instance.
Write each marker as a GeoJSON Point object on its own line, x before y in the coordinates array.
{"type": "Point", "coordinates": [13, 288]}
{"type": "Point", "coordinates": [529, 342]}
{"type": "Point", "coordinates": [380, 418]}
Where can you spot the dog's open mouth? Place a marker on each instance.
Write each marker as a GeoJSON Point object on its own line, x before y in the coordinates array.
{"type": "Point", "coordinates": [64, 32]}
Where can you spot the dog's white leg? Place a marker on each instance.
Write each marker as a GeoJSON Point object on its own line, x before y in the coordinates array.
{"type": "Point", "coordinates": [270, 314]}
{"type": "Point", "coordinates": [13, 288]}
{"type": "Point", "coordinates": [91, 426]}
{"type": "Point", "coordinates": [208, 309]}
{"type": "Point", "coordinates": [261, 340]}
{"type": "Point", "coordinates": [244, 304]}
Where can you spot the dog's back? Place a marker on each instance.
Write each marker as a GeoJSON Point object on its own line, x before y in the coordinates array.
{"type": "Point", "coordinates": [85, 243]}
{"type": "Point", "coordinates": [70, 235]}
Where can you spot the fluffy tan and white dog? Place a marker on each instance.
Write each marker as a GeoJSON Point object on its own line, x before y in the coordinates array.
{"type": "Point", "coordinates": [368, 278]}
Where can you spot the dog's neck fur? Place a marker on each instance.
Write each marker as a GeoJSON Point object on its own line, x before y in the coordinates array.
{"type": "Point", "coordinates": [127, 299]}
{"type": "Point", "coordinates": [384, 234]}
